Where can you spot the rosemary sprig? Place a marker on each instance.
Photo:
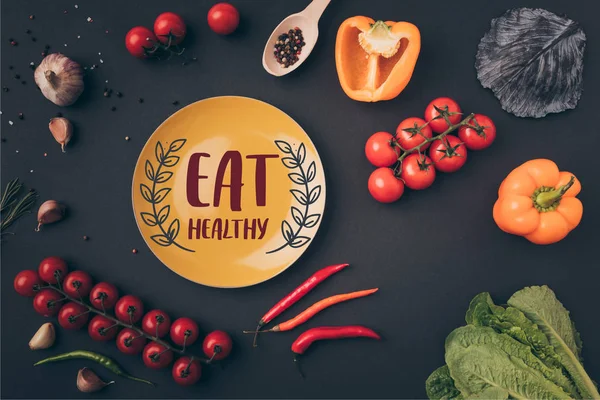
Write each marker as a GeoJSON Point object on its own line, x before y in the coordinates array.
{"type": "Point", "coordinates": [13, 208]}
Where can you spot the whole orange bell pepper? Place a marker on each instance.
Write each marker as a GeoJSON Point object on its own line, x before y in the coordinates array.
{"type": "Point", "coordinates": [375, 60]}
{"type": "Point", "coordinates": [537, 201]}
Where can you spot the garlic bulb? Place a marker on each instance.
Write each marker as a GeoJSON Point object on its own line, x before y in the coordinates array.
{"type": "Point", "coordinates": [62, 130]}
{"type": "Point", "coordinates": [60, 79]}
{"type": "Point", "coordinates": [43, 338]}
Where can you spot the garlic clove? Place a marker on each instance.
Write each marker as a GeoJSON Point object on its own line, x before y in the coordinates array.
{"type": "Point", "coordinates": [89, 382]}
{"type": "Point", "coordinates": [50, 211]}
{"type": "Point", "coordinates": [60, 79]}
{"type": "Point", "coordinates": [62, 130]}
{"type": "Point", "coordinates": [43, 338]}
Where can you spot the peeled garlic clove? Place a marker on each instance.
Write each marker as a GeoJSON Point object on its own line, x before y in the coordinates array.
{"type": "Point", "coordinates": [43, 338]}
{"type": "Point", "coordinates": [88, 381]}
{"type": "Point", "coordinates": [62, 130]}
{"type": "Point", "coordinates": [50, 211]}
{"type": "Point", "coordinates": [60, 79]}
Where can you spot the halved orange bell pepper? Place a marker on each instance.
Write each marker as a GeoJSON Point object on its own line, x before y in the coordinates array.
{"type": "Point", "coordinates": [375, 60]}
{"type": "Point", "coordinates": [537, 201]}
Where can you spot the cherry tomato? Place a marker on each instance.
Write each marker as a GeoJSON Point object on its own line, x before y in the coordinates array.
{"type": "Point", "coordinates": [412, 132]}
{"type": "Point", "coordinates": [104, 293]}
{"type": "Point", "coordinates": [77, 284]}
{"type": "Point", "coordinates": [217, 345]}
{"type": "Point", "coordinates": [129, 309]}
{"type": "Point", "coordinates": [380, 151]}
{"type": "Point", "coordinates": [479, 134]}
{"type": "Point", "coordinates": [102, 329]}
{"type": "Point", "coordinates": [47, 302]}
{"type": "Point", "coordinates": [384, 186]}
{"type": "Point", "coordinates": [184, 331]}
{"type": "Point", "coordinates": [156, 323]}
{"type": "Point", "coordinates": [186, 371]}
{"type": "Point", "coordinates": [449, 154]}
{"type": "Point", "coordinates": [139, 40]}
{"type": "Point", "coordinates": [156, 356]}
{"type": "Point", "coordinates": [51, 267]}
{"type": "Point", "coordinates": [73, 316]}
{"type": "Point", "coordinates": [223, 18]}
{"type": "Point", "coordinates": [447, 107]}
{"type": "Point", "coordinates": [169, 23]}
{"type": "Point", "coordinates": [27, 282]}
{"type": "Point", "coordinates": [417, 171]}
{"type": "Point", "coordinates": [130, 342]}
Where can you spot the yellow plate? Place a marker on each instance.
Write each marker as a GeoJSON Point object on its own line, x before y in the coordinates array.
{"type": "Point", "coordinates": [228, 192]}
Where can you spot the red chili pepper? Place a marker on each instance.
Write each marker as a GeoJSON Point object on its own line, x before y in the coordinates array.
{"type": "Point", "coordinates": [331, 332]}
{"type": "Point", "coordinates": [315, 309]}
{"type": "Point", "coordinates": [297, 294]}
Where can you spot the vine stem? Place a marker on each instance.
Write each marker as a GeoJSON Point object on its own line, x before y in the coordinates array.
{"type": "Point", "coordinates": [126, 325]}
{"type": "Point", "coordinates": [306, 208]}
{"type": "Point", "coordinates": [442, 135]}
{"type": "Point", "coordinates": [155, 213]}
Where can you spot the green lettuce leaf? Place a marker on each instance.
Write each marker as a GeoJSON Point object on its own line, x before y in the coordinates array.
{"type": "Point", "coordinates": [484, 363]}
{"type": "Point", "coordinates": [540, 305]}
{"type": "Point", "coordinates": [483, 312]}
{"type": "Point", "coordinates": [440, 385]}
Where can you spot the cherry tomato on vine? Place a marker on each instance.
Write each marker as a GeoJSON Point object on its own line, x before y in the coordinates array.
{"type": "Point", "coordinates": [223, 18]}
{"type": "Point", "coordinates": [138, 40]}
{"type": "Point", "coordinates": [184, 331]}
{"type": "Point", "coordinates": [50, 267]}
{"type": "Point", "coordinates": [380, 151]}
{"type": "Point", "coordinates": [448, 154]}
{"type": "Point", "coordinates": [384, 186]}
{"type": "Point", "coordinates": [102, 329]}
{"type": "Point", "coordinates": [448, 107]}
{"type": "Point", "coordinates": [26, 282]}
{"type": "Point", "coordinates": [73, 316]}
{"type": "Point", "coordinates": [77, 284]}
{"type": "Point", "coordinates": [156, 356]}
{"type": "Point", "coordinates": [417, 171]}
{"type": "Point", "coordinates": [47, 302]}
{"type": "Point", "coordinates": [217, 345]}
{"type": "Point", "coordinates": [479, 134]}
{"type": "Point", "coordinates": [186, 371]}
{"type": "Point", "coordinates": [156, 323]}
{"type": "Point", "coordinates": [129, 309]}
{"type": "Point", "coordinates": [104, 293]}
{"type": "Point", "coordinates": [412, 132]}
{"type": "Point", "coordinates": [130, 342]}
{"type": "Point", "coordinates": [169, 23]}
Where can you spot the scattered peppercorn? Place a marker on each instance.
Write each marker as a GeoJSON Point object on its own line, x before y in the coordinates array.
{"type": "Point", "coordinates": [175, 103]}
{"type": "Point", "coordinates": [113, 108]}
{"type": "Point", "coordinates": [59, 114]}
{"type": "Point", "coordinates": [127, 138]}
{"type": "Point", "coordinates": [288, 47]}
{"type": "Point", "coordinates": [47, 46]}
{"type": "Point", "coordinates": [31, 16]}
{"type": "Point", "coordinates": [85, 237]}
{"type": "Point", "coordinates": [5, 89]}
{"type": "Point", "coordinates": [33, 39]}
{"type": "Point", "coordinates": [21, 116]}
{"type": "Point", "coordinates": [3, 140]}
{"type": "Point", "coordinates": [10, 67]}
{"type": "Point", "coordinates": [119, 94]}
{"type": "Point", "coordinates": [43, 54]}
{"type": "Point", "coordinates": [106, 93]}
{"type": "Point", "coordinates": [134, 251]}
{"type": "Point", "coordinates": [13, 43]}
{"type": "Point", "coordinates": [194, 59]}
{"type": "Point", "coordinates": [65, 12]}
{"type": "Point", "coordinates": [140, 100]}
{"type": "Point", "coordinates": [184, 63]}
{"type": "Point", "coordinates": [45, 154]}
{"type": "Point", "coordinates": [17, 76]}
{"type": "Point", "coordinates": [23, 82]}
{"type": "Point", "coordinates": [28, 31]}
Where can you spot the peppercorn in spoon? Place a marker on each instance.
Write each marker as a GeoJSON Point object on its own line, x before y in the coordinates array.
{"type": "Point", "coordinates": [293, 40]}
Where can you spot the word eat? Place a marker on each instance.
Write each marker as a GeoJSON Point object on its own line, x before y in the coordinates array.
{"type": "Point", "coordinates": [233, 159]}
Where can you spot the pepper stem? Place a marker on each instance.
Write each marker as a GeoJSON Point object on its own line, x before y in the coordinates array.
{"type": "Point", "coordinates": [255, 340]}
{"type": "Point", "coordinates": [548, 199]}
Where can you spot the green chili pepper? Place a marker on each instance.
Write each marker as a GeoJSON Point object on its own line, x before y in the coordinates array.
{"type": "Point", "coordinates": [104, 361]}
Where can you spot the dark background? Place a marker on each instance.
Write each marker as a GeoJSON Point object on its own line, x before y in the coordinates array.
{"type": "Point", "coordinates": [429, 253]}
